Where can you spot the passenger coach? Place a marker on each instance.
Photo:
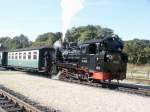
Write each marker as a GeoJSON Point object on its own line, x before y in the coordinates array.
{"type": "Point", "coordinates": [30, 58]}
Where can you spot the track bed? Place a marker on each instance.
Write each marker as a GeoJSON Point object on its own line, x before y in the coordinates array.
{"type": "Point", "coordinates": [72, 97]}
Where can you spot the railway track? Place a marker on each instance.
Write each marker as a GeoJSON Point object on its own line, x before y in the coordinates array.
{"type": "Point", "coordinates": [9, 103]}
{"type": "Point", "coordinates": [122, 87]}
{"type": "Point", "coordinates": [139, 91]}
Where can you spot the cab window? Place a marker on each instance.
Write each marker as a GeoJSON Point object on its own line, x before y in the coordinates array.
{"type": "Point", "coordinates": [92, 48]}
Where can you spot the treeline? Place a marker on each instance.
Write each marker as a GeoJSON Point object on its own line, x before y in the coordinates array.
{"type": "Point", "coordinates": [23, 41]}
{"type": "Point", "coordinates": [137, 50]}
{"type": "Point", "coordinates": [17, 42]}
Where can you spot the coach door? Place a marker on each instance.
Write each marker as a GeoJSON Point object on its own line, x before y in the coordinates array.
{"type": "Point", "coordinates": [4, 60]}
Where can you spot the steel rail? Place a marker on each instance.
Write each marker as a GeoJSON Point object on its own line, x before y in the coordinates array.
{"type": "Point", "coordinates": [21, 104]}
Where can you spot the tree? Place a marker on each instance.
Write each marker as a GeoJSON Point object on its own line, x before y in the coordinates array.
{"type": "Point", "coordinates": [15, 43]}
{"type": "Point", "coordinates": [138, 51]}
{"type": "Point", "coordinates": [82, 33]}
{"type": "Point", "coordinates": [47, 39]}
{"type": "Point", "coordinates": [6, 42]}
{"type": "Point", "coordinates": [20, 42]}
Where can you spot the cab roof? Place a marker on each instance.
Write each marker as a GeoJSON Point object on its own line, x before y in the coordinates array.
{"type": "Point", "coordinates": [99, 40]}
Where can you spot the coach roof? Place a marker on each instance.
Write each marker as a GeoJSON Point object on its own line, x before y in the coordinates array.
{"type": "Point", "coordinates": [32, 48]}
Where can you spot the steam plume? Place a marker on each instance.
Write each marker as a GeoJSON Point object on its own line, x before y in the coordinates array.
{"type": "Point", "coordinates": [57, 76]}
{"type": "Point", "coordinates": [69, 9]}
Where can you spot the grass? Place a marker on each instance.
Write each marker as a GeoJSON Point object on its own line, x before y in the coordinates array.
{"type": "Point", "coordinates": [138, 74]}
{"type": "Point", "coordinates": [137, 68]}
{"type": "Point", "coordinates": [138, 71]}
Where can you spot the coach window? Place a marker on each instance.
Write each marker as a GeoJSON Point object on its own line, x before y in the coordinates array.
{"type": "Point", "coordinates": [29, 55]}
{"type": "Point", "coordinates": [12, 55]}
{"type": "Point", "coordinates": [34, 55]}
{"type": "Point", "coordinates": [9, 56]}
{"type": "Point", "coordinates": [16, 56]}
{"type": "Point", "coordinates": [24, 55]}
{"type": "Point", "coordinates": [20, 55]}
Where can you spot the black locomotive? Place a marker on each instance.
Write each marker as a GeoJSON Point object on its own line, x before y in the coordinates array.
{"type": "Point", "coordinates": [98, 59]}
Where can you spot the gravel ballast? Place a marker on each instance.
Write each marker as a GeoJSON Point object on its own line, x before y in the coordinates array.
{"type": "Point", "coordinates": [72, 97]}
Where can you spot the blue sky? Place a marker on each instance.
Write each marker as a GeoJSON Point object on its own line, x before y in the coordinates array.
{"type": "Point", "coordinates": [128, 18]}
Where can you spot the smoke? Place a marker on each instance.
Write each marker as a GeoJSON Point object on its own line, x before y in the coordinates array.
{"type": "Point", "coordinates": [69, 9]}
{"type": "Point", "coordinates": [57, 76]}
{"type": "Point", "coordinates": [57, 44]}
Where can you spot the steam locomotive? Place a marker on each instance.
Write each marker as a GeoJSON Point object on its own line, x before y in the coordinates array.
{"type": "Point", "coordinates": [98, 59]}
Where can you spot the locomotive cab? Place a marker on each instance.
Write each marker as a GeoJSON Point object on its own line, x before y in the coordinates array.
{"type": "Point", "coordinates": [104, 59]}
{"type": "Point", "coordinates": [88, 52]}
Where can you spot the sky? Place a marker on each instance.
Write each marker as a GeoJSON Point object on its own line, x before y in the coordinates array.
{"type": "Point", "coordinates": [128, 18]}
